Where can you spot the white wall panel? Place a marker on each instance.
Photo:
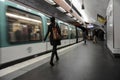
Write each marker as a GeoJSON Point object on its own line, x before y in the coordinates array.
{"type": "Point", "coordinates": [113, 26]}
{"type": "Point", "coordinates": [117, 24]}
{"type": "Point", "coordinates": [110, 25]}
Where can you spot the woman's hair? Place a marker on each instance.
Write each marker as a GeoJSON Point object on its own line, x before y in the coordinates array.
{"type": "Point", "coordinates": [52, 19]}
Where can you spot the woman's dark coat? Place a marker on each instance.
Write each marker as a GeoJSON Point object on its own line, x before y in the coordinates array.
{"type": "Point", "coordinates": [52, 41]}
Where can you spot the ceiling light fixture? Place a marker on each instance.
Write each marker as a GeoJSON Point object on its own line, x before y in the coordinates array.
{"type": "Point", "coordinates": [68, 8]}
{"type": "Point", "coordinates": [68, 14]}
{"type": "Point", "coordinates": [61, 9]}
{"type": "Point", "coordinates": [50, 2]}
{"type": "Point", "coordinates": [78, 20]}
{"type": "Point", "coordinates": [74, 18]}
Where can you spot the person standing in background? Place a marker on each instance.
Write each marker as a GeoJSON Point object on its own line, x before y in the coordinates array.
{"type": "Point", "coordinates": [95, 34]}
{"type": "Point", "coordinates": [84, 36]}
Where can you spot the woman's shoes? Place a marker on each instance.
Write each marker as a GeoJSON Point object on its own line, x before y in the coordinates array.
{"type": "Point", "coordinates": [51, 63]}
{"type": "Point", "coordinates": [57, 59]}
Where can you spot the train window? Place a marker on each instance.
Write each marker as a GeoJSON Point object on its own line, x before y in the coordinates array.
{"type": "Point", "coordinates": [64, 31]}
{"type": "Point", "coordinates": [23, 26]}
{"type": "Point", "coordinates": [73, 33]}
{"type": "Point", "coordinates": [48, 22]}
{"type": "Point", "coordinates": [79, 33]}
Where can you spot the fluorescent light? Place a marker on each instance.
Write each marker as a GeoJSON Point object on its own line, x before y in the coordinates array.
{"type": "Point", "coordinates": [74, 18]}
{"type": "Point", "coordinates": [2, 0]}
{"type": "Point", "coordinates": [90, 26]}
{"type": "Point", "coordinates": [61, 9]}
{"type": "Point", "coordinates": [22, 17]}
{"type": "Point", "coordinates": [24, 26]}
{"type": "Point", "coordinates": [50, 2]}
{"type": "Point", "coordinates": [68, 14]}
{"type": "Point", "coordinates": [78, 21]}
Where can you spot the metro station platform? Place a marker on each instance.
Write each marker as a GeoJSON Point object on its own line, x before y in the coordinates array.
{"type": "Point", "coordinates": [83, 62]}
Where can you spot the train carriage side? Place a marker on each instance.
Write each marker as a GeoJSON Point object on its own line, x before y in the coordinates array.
{"type": "Point", "coordinates": [22, 31]}
{"type": "Point", "coordinates": [48, 45]}
{"type": "Point", "coordinates": [1, 24]}
{"type": "Point", "coordinates": [64, 33]}
{"type": "Point", "coordinates": [2, 27]}
{"type": "Point", "coordinates": [73, 35]}
{"type": "Point", "coordinates": [80, 34]}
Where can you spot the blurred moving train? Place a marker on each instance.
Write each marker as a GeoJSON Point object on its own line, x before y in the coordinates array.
{"type": "Point", "coordinates": [22, 31]}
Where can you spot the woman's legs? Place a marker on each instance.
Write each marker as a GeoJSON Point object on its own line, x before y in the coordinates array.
{"type": "Point", "coordinates": [54, 52]}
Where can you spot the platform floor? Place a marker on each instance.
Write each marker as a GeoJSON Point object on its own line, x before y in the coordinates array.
{"type": "Point", "coordinates": [86, 62]}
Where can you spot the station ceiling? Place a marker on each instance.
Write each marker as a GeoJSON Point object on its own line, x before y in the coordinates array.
{"type": "Point", "coordinates": [92, 8]}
